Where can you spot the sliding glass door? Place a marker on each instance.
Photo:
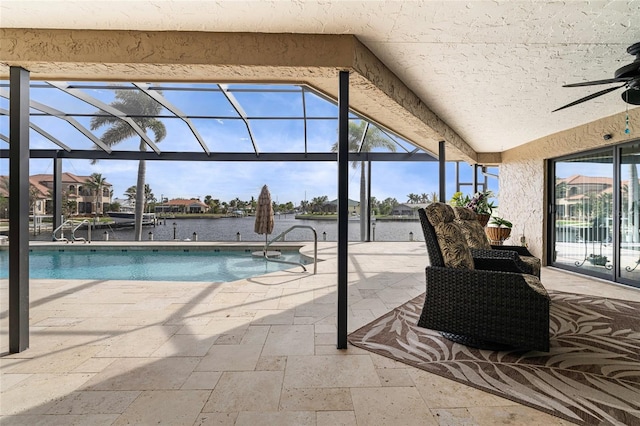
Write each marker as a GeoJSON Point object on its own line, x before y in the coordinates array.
{"type": "Point", "coordinates": [629, 245]}
{"type": "Point", "coordinates": [583, 219]}
{"type": "Point", "coordinates": [595, 213]}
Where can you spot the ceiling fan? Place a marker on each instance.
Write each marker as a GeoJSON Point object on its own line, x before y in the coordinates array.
{"type": "Point", "coordinates": [629, 75]}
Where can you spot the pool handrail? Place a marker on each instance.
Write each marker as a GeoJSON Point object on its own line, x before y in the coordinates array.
{"type": "Point", "coordinates": [68, 223]}
{"type": "Point", "coordinates": [282, 234]}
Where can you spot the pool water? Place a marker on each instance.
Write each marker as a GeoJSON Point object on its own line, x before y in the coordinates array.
{"type": "Point", "coordinates": [150, 265]}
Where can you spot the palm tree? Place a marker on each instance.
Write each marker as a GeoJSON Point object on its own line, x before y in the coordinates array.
{"type": "Point", "coordinates": [96, 183]}
{"type": "Point", "coordinates": [374, 138]}
{"type": "Point", "coordinates": [375, 205]}
{"type": "Point", "coordinates": [413, 198]}
{"type": "Point", "coordinates": [215, 205]}
{"type": "Point", "coordinates": [317, 203]}
{"type": "Point", "coordinates": [130, 193]}
{"type": "Point", "coordinates": [143, 111]}
{"type": "Point", "coordinates": [387, 205]}
{"type": "Point", "coordinates": [149, 197]}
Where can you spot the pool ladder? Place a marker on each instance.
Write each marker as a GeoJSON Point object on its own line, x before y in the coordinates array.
{"type": "Point", "coordinates": [281, 236]}
{"type": "Point", "coordinates": [69, 224]}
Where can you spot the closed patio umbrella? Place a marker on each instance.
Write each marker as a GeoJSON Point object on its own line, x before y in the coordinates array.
{"type": "Point", "coordinates": [264, 215]}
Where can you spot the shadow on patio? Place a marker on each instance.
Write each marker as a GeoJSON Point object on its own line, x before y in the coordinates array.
{"type": "Point", "coordinates": [255, 351]}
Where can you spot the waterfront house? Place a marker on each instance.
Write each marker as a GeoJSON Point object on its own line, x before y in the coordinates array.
{"type": "Point", "coordinates": [77, 196]}
{"type": "Point", "coordinates": [408, 209]}
{"type": "Point", "coordinates": [181, 205]}
{"type": "Point", "coordinates": [354, 207]}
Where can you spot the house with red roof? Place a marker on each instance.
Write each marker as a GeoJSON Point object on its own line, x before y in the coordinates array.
{"type": "Point", "coordinates": [76, 194]}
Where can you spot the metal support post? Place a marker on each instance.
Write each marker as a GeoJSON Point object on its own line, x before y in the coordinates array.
{"type": "Point", "coordinates": [442, 175]}
{"type": "Point", "coordinates": [57, 192]}
{"type": "Point", "coordinates": [18, 210]}
{"type": "Point", "coordinates": [343, 206]}
{"type": "Point", "coordinates": [475, 178]}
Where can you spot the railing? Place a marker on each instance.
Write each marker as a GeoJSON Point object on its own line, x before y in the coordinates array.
{"type": "Point", "coordinates": [281, 236]}
{"type": "Point", "coordinates": [69, 224]}
{"type": "Point", "coordinates": [38, 223]}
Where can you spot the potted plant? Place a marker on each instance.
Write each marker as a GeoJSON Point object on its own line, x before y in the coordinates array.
{"type": "Point", "coordinates": [498, 230]}
{"type": "Point", "coordinates": [598, 259]}
{"type": "Point", "coordinates": [479, 203]}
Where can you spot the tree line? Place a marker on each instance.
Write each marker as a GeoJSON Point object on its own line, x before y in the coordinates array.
{"type": "Point", "coordinates": [317, 205]}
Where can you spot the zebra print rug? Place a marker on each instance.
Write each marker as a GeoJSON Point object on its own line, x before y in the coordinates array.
{"type": "Point", "coordinates": [590, 376]}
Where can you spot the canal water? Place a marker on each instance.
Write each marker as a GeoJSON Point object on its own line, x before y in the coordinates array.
{"type": "Point", "coordinates": [234, 229]}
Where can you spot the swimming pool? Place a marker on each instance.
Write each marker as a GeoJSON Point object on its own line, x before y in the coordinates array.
{"type": "Point", "coordinates": [150, 265]}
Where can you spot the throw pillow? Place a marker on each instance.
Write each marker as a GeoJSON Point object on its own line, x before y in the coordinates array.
{"type": "Point", "coordinates": [471, 228]}
{"type": "Point", "coordinates": [453, 245]}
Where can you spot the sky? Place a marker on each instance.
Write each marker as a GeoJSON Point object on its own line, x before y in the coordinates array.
{"type": "Point", "coordinates": [275, 124]}
{"type": "Point", "coordinates": [225, 181]}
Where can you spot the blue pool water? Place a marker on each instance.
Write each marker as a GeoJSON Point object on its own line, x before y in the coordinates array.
{"type": "Point", "coordinates": [149, 265]}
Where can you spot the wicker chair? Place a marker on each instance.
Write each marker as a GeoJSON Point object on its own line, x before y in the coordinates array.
{"type": "Point", "coordinates": [479, 308]}
{"type": "Point", "coordinates": [503, 258]}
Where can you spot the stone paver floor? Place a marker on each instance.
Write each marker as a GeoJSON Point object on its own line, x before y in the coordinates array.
{"type": "Point", "coordinates": [260, 351]}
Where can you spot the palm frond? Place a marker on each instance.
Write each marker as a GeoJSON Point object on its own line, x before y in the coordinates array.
{"type": "Point", "coordinates": [138, 103]}
{"type": "Point", "coordinates": [143, 110]}
{"type": "Point", "coordinates": [158, 128]}
{"type": "Point", "coordinates": [117, 133]}
{"type": "Point", "coordinates": [98, 121]}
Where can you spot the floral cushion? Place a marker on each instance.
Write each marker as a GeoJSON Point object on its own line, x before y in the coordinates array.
{"type": "Point", "coordinates": [471, 228]}
{"type": "Point", "coordinates": [454, 248]}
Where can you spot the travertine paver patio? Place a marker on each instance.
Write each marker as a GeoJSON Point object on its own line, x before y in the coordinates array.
{"type": "Point", "coordinates": [260, 351]}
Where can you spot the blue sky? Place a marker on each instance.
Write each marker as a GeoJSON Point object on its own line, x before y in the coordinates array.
{"type": "Point", "coordinates": [292, 181]}
{"type": "Point", "coordinates": [228, 180]}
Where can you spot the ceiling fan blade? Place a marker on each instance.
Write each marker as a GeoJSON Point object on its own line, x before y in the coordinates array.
{"type": "Point", "coordinates": [591, 96]}
{"type": "Point", "coordinates": [593, 83]}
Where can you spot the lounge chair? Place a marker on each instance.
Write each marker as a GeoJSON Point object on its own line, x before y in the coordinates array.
{"type": "Point", "coordinates": [475, 307]}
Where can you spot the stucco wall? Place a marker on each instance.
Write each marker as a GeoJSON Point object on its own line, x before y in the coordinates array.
{"type": "Point", "coordinates": [522, 180]}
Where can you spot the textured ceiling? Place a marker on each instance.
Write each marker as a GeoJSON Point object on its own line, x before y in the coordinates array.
{"type": "Point", "coordinates": [492, 70]}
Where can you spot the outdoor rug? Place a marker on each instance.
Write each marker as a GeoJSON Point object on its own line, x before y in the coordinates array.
{"type": "Point", "coordinates": [590, 376]}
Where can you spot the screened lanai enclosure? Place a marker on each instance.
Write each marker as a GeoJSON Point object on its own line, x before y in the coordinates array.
{"type": "Point", "coordinates": [199, 123]}
{"type": "Point", "coordinates": [288, 130]}
{"type": "Point", "coordinates": [52, 125]}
